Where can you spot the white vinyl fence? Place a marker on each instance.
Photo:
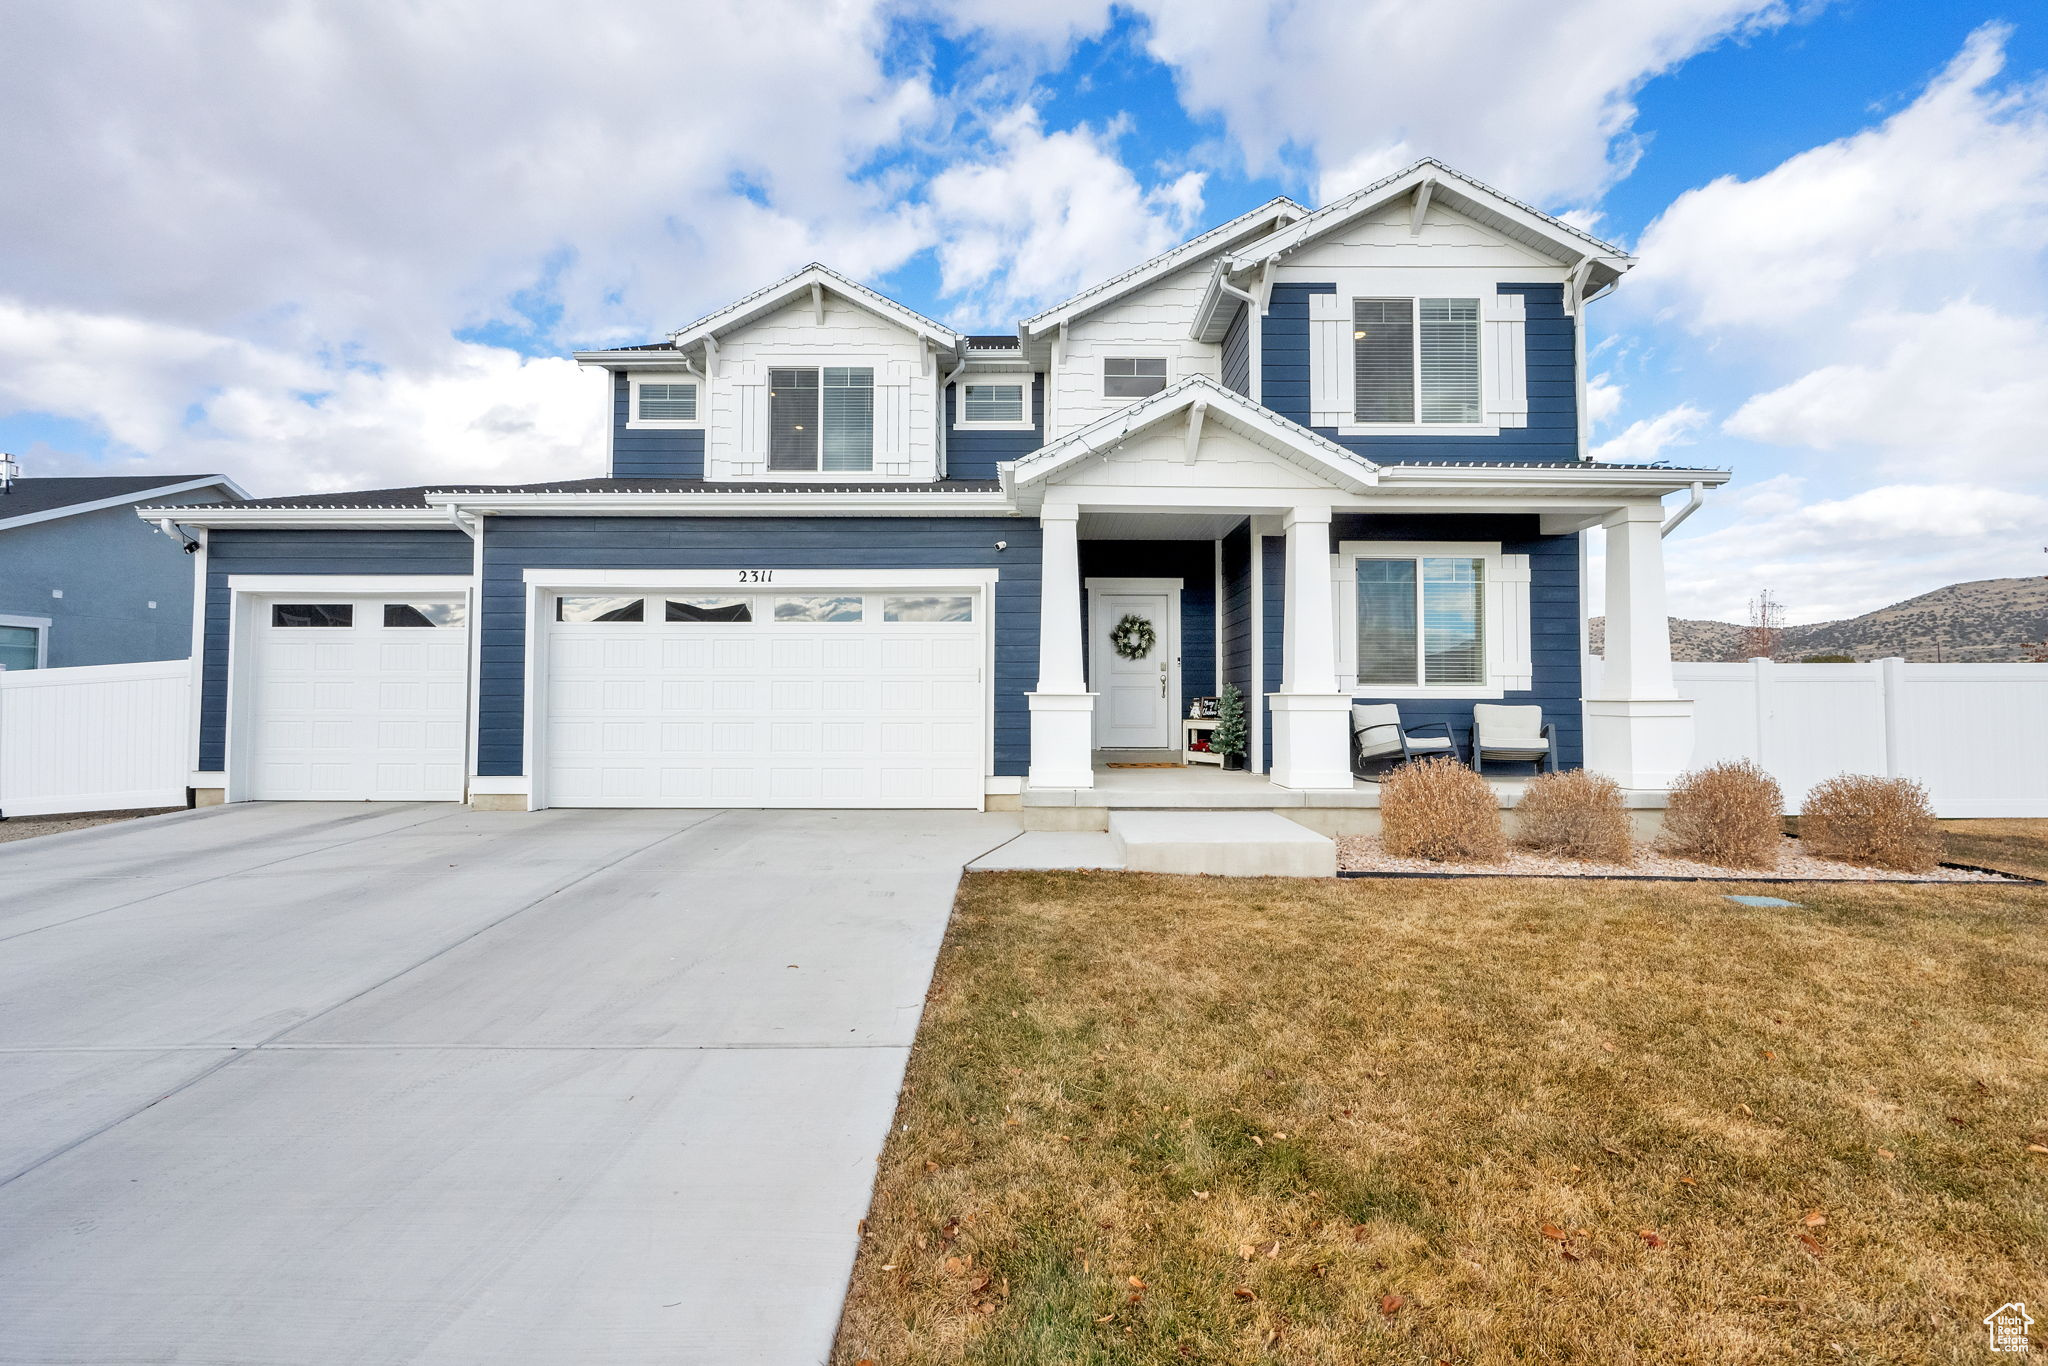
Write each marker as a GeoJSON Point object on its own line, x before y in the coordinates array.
{"type": "Point", "coordinates": [1974, 735]}
{"type": "Point", "coordinates": [108, 737]}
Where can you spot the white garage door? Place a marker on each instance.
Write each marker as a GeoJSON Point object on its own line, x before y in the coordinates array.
{"type": "Point", "coordinates": [817, 698]}
{"type": "Point", "coordinates": [357, 699]}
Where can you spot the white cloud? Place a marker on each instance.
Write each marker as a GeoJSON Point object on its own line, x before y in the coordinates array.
{"type": "Point", "coordinates": [1603, 399]}
{"type": "Point", "coordinates": [1049, 214]}
{"type": "Point", "coordinates": [1942, 194]}
{"type": "Point", "coordinates": [1537, 99]}
{"type": "Point", "coordinates": [1646, 440]}
{"type": "Point", "coordinates": [1963, 390]}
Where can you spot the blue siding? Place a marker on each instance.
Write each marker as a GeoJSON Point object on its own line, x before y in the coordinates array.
{"type": "Point", "coordinates": [1236, 644]}
{"type": "Point", "coordinates": [1552, 433]}
{"type": "Point", "coordinates": [1237, 352]}
{"type": "Point", "coordinates": [111, 566]}
{"type": "Point", "coordinates": [1194, 564]}
{"type": "Point", "coordinates": [653, 453]}
{"type": "Point", "coordinates": [513, 545]}
{"type": "Point", "coordinates": [1553, 617]}
{"type": "Point", "coordinates": [301, 552]}
{"type": "Point", "coordinates": [974, 452]}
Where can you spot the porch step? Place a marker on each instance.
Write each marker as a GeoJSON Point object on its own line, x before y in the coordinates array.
{"type": "Point", "coordinates": [1226, 843]}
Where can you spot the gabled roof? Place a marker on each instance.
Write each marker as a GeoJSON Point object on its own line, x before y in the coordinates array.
{"type": "Point", "coordinates": [1342, 468]}
{"type": "Point", "coordinates": [1520, 222]}
{"type": "Point", "coordinates": [42, 500]}
{"type": "Point", "coordinates": [1219, 238]}
{"type": "Point", "coordinates": [789, 287]}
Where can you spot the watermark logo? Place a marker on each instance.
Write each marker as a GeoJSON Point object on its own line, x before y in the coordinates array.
{"type": "Point", "coordinates": [2008, 1326]}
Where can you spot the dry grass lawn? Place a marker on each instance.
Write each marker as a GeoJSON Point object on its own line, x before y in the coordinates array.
{"type": "Point", "coordinates": [2011, 846]}
{"type": "Point", "coordinates": [1157, 1119]}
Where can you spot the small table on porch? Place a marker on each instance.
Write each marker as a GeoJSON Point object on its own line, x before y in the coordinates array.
{"type": "Point", "coordinates": [1193, 728]}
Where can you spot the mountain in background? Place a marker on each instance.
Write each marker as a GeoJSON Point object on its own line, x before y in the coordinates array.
{"type": "Point", "coordinates": [1990, 621]}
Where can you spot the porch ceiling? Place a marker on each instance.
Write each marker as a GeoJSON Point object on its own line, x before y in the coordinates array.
{"type": "Point", "coordinates": [1104, 525]}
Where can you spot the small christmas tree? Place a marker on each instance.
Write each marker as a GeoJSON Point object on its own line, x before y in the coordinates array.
{"type": "Point", "coordinates": [1228, 739]}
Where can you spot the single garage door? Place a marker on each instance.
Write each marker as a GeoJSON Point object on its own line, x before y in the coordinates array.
{"type": "Point", "coordinates": [817, 698]}
{"type": "Point", "coordinates": [357, 699]}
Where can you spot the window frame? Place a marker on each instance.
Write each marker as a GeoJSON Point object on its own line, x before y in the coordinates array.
{"type": "Point", "coordinates": [636, 379]}
{"type": "Point", "coordinates": [1102, 375]}
{"type": "Point", "coordinates": [1024, 379]}
{"type": "Point", "coordinates": [1355, 292]}
{"type": "Point", "coordinates": [816, 469]}
{"type": "Point", "coordinates": [41, 626]}
{"type": "Point", "coordinates": [1497, 632]}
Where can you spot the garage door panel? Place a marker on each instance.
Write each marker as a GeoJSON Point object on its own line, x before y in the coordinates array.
{"type": "Point", "coordinates": [364, 712]}
{"type": "Point", "coordinates": [853, 712]}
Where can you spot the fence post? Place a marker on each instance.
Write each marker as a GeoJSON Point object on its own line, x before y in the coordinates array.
{"type": "Point", "coordinates": [1891, 680]}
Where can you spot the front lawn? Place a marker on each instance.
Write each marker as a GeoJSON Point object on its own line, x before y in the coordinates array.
{"type": "Point", "coordinates": [1160, 1119]}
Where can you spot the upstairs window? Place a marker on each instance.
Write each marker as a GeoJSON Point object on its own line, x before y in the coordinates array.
{"type": "Point", "coordinates": [1415, 360]}
{"type": "Point", "coordinates": [821, 419]}
{"type": "Point", "coordinates": [1133, 376]}
{"type": "Point", "coordinates": [992, 403]}
{"type": "Point", "coordinates": [663, 400]}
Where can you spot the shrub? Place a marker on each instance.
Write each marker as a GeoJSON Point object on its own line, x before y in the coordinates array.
{"type": "Point", "coordinates": [1440, 809]}
{"type": "Point", "coordinates": [1729, 814]}
{"type": "Point", "coordinates": [1577, 814]}
{"type": "Point", "coordinates": [1884, 822]}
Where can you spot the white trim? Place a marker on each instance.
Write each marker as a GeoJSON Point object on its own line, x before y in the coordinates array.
{"type": "Point", "coordinates": [118, 500]}
{"type": "Point", "coordinates": [366, 517]}
{"type": "Point", "coordinates": [664, 580]}
{"type": "Point", "coordinates": [1173, 588]}
{"type": "Point", "coordinates": [846, 502]}
{"type": "Point", "coordinates": [1504, 619]}
{"type": "Point", "coordinates": [41, 626]}
{"type": "Point", "coordinates": [771, 297]}
{"type": "Point", "coordinates": [196, 703]}
{"type": "Point", "coordinates": [499, 785]}
{"type": "Point", "coordinates": [634, 422]}
{"type": "Point", "coordinates": [1255, 696]}
{"type": "Point", "coordinates": [1021, 378]}
{"type": "Point", "coordinates": [350, 585]}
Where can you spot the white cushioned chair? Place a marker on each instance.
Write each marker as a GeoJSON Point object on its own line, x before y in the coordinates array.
{"type": "Point", "coordinates": [1516, 733]}
{"type": "Point", "coordinates": [1378, 735]}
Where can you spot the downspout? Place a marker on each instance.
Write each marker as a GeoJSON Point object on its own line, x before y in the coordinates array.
{"type": "Point", "coordinates": [1699, 496]}
{"type": "Point", "coordinates": [946, 387]}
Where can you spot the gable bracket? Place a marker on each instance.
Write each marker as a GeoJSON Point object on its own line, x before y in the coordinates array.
{"type": "Point", "coordinates": [1197, 410]}
{"type": "Point", "coordinates": [817, 302]}
{"type": "Point", "coordinates": [1422, 194]}
{"type": "Point", "coordinates": [710, 356]}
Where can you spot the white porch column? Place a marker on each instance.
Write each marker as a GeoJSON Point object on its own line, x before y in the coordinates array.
{"type": "Point", "coordinates": [1062, 709]}
{"type": "Point", "coordinates": [1311, 720]}
{"type": "Point", "coordinates": [1638, 730]}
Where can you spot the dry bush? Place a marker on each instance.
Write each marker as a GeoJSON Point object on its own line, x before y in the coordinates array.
{"type": "Point", "coordinates": [1883, 822]}
{"type": "Point", "coordinates": [1730, 814]}
{"type": "Point", "coordinates": [1440, 809]}
{"type": "Point", "coordinates": [1576, 814]}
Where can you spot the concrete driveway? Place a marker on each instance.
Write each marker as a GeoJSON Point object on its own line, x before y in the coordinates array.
{"type": "Point", "coordinates": [371, 1083]}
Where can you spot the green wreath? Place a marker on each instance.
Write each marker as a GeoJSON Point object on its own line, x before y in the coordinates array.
{"type": "Point", "coordinates": [1133, 637]}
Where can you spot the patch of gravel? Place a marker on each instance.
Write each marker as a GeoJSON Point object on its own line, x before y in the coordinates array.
{"type": "Point", "coordinates": [28, 827]}
{"type": "Point", "coordinates": [1364, 854]}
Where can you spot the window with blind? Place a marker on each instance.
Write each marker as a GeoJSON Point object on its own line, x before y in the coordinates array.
{"type": "Point", "coordinates": [822, 419]}
{"type": "Point", "coordinates": [987, 403]}
{"type": "Point", "coordinates": [1421, 621]}
{"type": "Point", "coordinates": [667, 403]}
{"type": "Point", "coordinates": [1415, 360]}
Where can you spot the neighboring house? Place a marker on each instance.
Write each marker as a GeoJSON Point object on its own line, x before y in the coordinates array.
{"type": "Point", "coordinates": [83, 582]}
{"type": "Point", "coordinates": [847, 556]}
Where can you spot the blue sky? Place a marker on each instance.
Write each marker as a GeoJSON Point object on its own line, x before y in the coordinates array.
{"type": "Point", "coordinates": [332, 247]}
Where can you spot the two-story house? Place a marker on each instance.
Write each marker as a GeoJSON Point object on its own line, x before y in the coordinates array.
{"type": "Point", "coordinates": [847, 556]}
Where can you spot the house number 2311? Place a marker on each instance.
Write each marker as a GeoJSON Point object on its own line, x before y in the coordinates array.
{"type": "Point", "coordinates": [757, 576]}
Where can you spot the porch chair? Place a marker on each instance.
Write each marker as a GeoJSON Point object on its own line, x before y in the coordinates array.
{"type": "Point", "coordinates": [1377, 733]}
{"type": "Point", "coordinates": [1516, 733]}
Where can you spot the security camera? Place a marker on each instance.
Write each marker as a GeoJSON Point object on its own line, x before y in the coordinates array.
{"type": "Point", "coordinates": [1002, 545]}
{"type": "Point", "coordinates": [191, 547]}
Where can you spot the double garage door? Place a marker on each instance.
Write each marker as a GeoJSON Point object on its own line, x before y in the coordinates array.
{"type": "Point", "coordinates": [816, 697]}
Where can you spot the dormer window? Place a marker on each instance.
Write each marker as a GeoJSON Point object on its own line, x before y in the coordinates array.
{"type": "Point", "coordinates": [1133, 376]}
{"type": "Point", "coordinates": [821, 419]}
{"type": "Point", "coordinates": [662, 400]}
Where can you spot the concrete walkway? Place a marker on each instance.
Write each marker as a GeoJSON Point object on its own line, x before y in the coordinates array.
{"type": "Point", "coordinates": [379, 1084]}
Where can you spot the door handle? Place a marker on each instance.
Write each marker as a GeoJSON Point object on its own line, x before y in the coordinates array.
{"type": "Point", "coordinates": [1162, 683]}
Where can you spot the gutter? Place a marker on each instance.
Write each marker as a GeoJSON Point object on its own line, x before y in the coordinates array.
{"type": "Point", "coordinates": [1699, 496]}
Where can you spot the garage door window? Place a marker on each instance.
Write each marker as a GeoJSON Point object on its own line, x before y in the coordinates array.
{"type": "Point", "coordinates": [929, 607]}
{"type": "Point", "coordinates": [425, 614]}
{"type": "Point", "coordinates": [819, 608]}
{"type": "Point", "coordinates": [594, 609]}
{"type": "Point", "coordinates": [709, 609]}
{"type": "Point", "coordinates": [313, 614]}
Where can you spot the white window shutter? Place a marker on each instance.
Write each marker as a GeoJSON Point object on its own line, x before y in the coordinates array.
{"type": "Point", "coordinates": [1507, 361]}
{"type": "Point", "coordinates": [1329, 361]}
{"type": "Point", "coordinates": [750, 402]}
{"type": "Point", "coordinates": [1509, 656]}
{"type": "Point", "coordinates": [892, 418]}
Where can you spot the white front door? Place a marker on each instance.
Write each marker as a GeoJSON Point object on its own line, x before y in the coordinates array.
{"type": "Point", "coordinates": [1137, 701]}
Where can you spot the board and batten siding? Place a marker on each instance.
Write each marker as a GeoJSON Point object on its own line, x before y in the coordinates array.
{"type": "Point", "coordinates": [654, 452]}
{"type": "Point", "coordinates": [513, 545]}
{"type": "Point", "coordinates": [228, 552]}
{"type": "Point", "coordinates": [974, 452]}
{"type": "Point", "coordinates": [1553, 430]}
{"type": "Point", "coordinates": [906, 433]}
{"type": "Point", "coordinates": [1194, 564]}
{"type": "Point", "coordinates": [1553, 619]}
{"type": "Point", "coordinates": [1153, 321]}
